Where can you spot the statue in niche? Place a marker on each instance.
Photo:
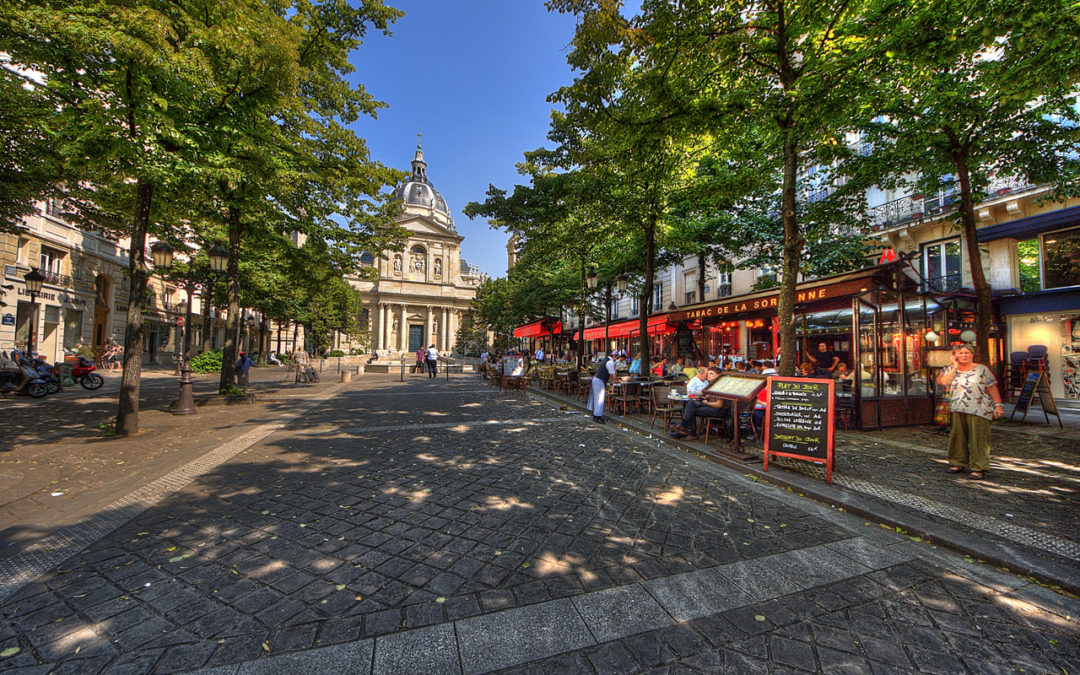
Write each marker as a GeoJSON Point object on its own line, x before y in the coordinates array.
{"type": "Point", "coordinates": [397, 264]}
{"type": "Point", "coordinates": [438, 268]}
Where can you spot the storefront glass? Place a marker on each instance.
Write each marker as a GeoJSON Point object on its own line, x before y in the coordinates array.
{"type": "Point", "coordinates": [1070, 356]}
{"type": "Point", "coordinates": [1061, 259]}
{"type": "Point", "coordinates": [868, 354]}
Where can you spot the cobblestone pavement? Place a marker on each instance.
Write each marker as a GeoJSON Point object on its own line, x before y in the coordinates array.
{"type": "Point", "coordinates": [1030, 497]}
{"type": "Point", "coordinates": [435, 527]}
{"type": "Point", "coordinates": [56, 465]}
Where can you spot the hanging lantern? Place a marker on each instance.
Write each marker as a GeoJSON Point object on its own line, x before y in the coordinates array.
{"type": "Point", "coordinates": [931, 336]}
{"type": "Point", "coordinates": [968, 336]}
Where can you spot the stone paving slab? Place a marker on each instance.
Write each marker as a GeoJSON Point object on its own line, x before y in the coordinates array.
{"type": "Point", "coordinates": [1026, 515]}
{"type": "Point", "coordinates": [437, 537]}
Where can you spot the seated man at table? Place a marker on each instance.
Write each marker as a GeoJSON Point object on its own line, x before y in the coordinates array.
{"type": "Point", "coordinates": [700, 407]}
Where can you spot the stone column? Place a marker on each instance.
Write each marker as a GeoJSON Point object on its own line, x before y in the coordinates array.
{"type": "Point", "coordinates": [446, 328]}
{"type": "Point", "coordinates": [403, 330]}
{"type": "Point", "coordinates": [387, 326]}
{"type": "Point", "coordinates": [428, 327]}
{"type": "Point", "coordinates": [451, 329]}
{"type": "Point", "coordinates": [380, 322]}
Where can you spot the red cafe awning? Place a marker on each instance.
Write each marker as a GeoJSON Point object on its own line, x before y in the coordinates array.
{"type": "Point", "coordinates": [539, 328]}
{"type": "Point", "coordinates": [658, 325]}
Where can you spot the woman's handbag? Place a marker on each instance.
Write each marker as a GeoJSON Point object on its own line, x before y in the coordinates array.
{"type": "Point", "coordinates": [942, 413]}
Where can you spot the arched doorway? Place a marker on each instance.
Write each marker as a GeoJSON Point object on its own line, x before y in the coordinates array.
{"type": "Point", "coordinates": [102, 286]}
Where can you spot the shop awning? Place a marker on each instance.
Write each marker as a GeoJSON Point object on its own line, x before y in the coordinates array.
{"type": "Point", "coordinates": [658, 325]}
{"type": "Point", "coordinates": [1056, 300]}
{"type": "Point", "coordinates": [1025, 228]}
{"type": "Point", "coordinates": [539, 328]}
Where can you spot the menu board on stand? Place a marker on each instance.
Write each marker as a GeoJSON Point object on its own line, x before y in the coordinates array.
{"type": "Point", "coordinates": [800, 421]}
{"type": "Point", "coordinates": [1036, 384]}
{"type": "Point", "coordinates": [738, 389]}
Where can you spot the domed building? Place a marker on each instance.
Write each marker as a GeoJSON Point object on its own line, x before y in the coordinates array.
{"type": "Point", "coordinates": [422, 291]}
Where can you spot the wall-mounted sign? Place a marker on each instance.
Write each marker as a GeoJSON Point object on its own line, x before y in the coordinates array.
{"type": "Point", "coordinates": [8, 320]}
{"type": "Point", "coordinates": [11, 271]}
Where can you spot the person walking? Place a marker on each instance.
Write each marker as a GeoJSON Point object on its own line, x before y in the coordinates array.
{"type": "Point", "coordinates": [432, 361]}
{"type": "Point", "coordinates": [598, 387]}
{"type": "Point", "coordinates": [974, 400]}
{"type": "Point", "coordinates": [421, 357]}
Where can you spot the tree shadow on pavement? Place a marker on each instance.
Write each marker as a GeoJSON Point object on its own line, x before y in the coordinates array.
{"type": "Point", "coordinates": [384, 511]}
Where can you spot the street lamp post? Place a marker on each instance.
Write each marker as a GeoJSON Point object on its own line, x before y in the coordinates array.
{"type": "Point", "coordinates": [34, 280]}
{"type": "Point", "coordinates": [163, 259]}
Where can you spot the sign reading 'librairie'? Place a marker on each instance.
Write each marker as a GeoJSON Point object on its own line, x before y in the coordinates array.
{"type": "Point", "coordinates": [799, 420]}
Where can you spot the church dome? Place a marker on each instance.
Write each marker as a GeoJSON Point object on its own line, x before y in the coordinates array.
{"type": "Point", "coordinates": [419, 192]}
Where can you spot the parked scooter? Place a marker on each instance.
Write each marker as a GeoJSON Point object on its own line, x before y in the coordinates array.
{"type": "Point", "coordinates": [22, 380]}
{"type": "Point", "coordinates": [46, 373]}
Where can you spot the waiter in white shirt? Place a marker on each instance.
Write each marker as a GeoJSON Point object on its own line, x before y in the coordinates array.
{"type": "Point", "coordinates": [539, 355]}
{"type": "Point", "coordinates": [604, 372]}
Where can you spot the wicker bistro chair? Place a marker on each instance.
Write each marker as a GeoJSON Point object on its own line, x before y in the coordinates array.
{"type": "Point", "coordinates": [661, 406]}
{"type": "Point", "coordinates": [626, 396]}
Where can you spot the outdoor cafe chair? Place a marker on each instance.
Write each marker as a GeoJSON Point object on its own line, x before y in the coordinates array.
{"type": "Point", "coordinates": [626, 396]}
{"type": "Point", "coordinates": [662, 406]}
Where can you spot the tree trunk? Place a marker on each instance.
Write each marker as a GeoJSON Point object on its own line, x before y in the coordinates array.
{"type": "Point", "coordinates": [207, 323]}
{"type": "Point", "coordinates": [581, 319]}
{"type": "Point", "coordinates": [701, 276]}
{"type": "Point", "coordinates": [296, 335]}
{"type": "Point", "coordinates": [793, 246]}
{"type": "Point", "coordinates": [232, 331]}
{"type": "Point", "coordinates": [644, 349]}
{"type": "Point", "coordinates": [127, 413]}
{"type": "Point", "coordinates": [983, 299]}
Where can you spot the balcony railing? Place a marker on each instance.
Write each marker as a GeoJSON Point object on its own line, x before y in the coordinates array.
{"type": "Point", "coordinates": [55, 279]}
{"type": "Point", "coordinates": [906, 209]}
{"type": "Point", "coordinates": [946, 283]}
{"type": "Point", "coordinates": [896, 212]}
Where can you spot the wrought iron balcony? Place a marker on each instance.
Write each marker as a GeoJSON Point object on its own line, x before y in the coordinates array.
{"type": "Point", "coordinates": [947, 283]}
{"type": "Point", "coordinates": [55, 279]}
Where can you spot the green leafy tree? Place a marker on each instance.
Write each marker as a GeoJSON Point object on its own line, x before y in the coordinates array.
{"type": "Point", "coordinates": [974, 91]}
{"type": "Point", "coordinates": [778, 73]}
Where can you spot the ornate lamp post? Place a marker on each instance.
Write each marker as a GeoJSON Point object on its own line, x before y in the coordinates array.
{"type": "Point", "coordinates": [34, 279]}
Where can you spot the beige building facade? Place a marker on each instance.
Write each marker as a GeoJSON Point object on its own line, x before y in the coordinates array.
{"type": "Point", "coordinates": [421, 293]}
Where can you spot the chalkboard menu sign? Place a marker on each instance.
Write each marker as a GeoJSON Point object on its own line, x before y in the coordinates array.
{"type": "Point", "coordinates": [1024, 400]}
{"type": "Point", "coordinates": [1036, 383]}
{"type": "Point", "coordinates": [799, 420]}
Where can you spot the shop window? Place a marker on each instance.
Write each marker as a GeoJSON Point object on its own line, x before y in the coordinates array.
{"type": "Point", "coordinates": [1061, 259]}
{"type": "Point", "coordinates": [941, 266]}
{"type": "Point", "coordinates": [73, 326]}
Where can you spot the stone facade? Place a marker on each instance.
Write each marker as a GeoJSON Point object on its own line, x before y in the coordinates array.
{"type": "Point", "coordinates": [419, 294]}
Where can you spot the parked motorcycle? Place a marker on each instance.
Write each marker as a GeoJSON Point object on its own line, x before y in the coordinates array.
{"type": "Point", "coordinates": [83, 372]}
{"type": "Point", "coordinates": [22, 380]}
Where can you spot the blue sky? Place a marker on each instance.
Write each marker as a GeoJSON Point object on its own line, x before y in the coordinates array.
{"type": "Point", "coordinates": [472, 76]}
